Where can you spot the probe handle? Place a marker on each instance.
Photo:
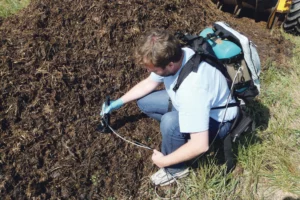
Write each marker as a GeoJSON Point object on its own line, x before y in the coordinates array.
{"type": "Point", "coordinates": [105, 121]}
{"type": "Point", "coordinates": [107, 116]}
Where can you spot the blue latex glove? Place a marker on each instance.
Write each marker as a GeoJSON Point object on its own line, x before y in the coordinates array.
{"type": "Point", "coordinates": [114, 105]}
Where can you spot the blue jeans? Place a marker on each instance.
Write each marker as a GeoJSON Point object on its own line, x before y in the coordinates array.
{"type": "Point", "coordinates": [156, 105]}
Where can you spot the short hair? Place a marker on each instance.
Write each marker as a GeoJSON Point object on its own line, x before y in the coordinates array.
{"type": "Point", "coordinates": [159, 48]}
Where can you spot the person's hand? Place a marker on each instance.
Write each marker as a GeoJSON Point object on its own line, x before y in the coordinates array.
{"type": "Point", "coordinates": [114, 105]}
{"type": "Point", "coordinates": [158, 158]}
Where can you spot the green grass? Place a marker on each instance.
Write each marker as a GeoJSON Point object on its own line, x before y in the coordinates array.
{"type": "Point", "coordinates": [9, 7]}
{"type": "Point", "coordinates": [281, 167]}
{"type": "Point", "coordinates": [209, 182]}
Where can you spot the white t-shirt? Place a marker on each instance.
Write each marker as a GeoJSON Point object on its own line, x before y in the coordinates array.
{"type": "Point", "coordinates": [197, 94]}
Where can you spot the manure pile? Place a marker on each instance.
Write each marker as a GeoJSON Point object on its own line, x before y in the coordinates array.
{"type": "Point", "coordinates": [58, 61]}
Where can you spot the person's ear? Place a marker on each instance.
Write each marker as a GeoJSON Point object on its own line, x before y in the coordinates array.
{"type": "Point", "coordinates": [170, 65]}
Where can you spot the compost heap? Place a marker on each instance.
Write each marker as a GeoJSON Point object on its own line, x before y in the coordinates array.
{"type": "Point", "coordinates": [59, 60]}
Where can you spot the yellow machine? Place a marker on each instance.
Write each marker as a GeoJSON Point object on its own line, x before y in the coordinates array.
{"type": "Point", "coordinates": [276, 8]}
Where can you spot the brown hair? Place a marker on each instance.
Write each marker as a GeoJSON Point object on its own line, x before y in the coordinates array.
{"type": "Point", "coordinates": [159, 48]}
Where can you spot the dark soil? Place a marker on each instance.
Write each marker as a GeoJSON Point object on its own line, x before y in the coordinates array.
{"type": "Point", "coordinates": [58, 61]}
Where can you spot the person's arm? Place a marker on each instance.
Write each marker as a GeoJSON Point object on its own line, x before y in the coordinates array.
{"type": "Point", "coordinates": [139, 90]}
{"type": "Point", "coordinates": [199, 143]}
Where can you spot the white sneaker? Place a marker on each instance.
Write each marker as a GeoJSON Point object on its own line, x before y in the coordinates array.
{"type": "Point", "coordinates": [162, 177]}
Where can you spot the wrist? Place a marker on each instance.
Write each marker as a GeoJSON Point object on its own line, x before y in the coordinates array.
{"type": "Point", "coordinates": [164, 161]}
{"type": "Point", "coordinates": [119, 102]}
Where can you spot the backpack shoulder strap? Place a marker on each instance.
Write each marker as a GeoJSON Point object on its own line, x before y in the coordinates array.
{"type": "Point", "coordinates": [190, 66]}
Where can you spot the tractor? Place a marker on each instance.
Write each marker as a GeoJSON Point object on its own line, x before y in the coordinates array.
{"type": "Point", "coordinates": [289, 9]}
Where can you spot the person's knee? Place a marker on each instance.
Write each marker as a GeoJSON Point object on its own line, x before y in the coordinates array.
{"type": "Point", "coordinates": [169, 121]}
{"type": "Point", "coordinates": [141, 104]}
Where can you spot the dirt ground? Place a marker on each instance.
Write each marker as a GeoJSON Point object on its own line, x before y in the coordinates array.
{"type": "Point", "coordinates": [58, 61]}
